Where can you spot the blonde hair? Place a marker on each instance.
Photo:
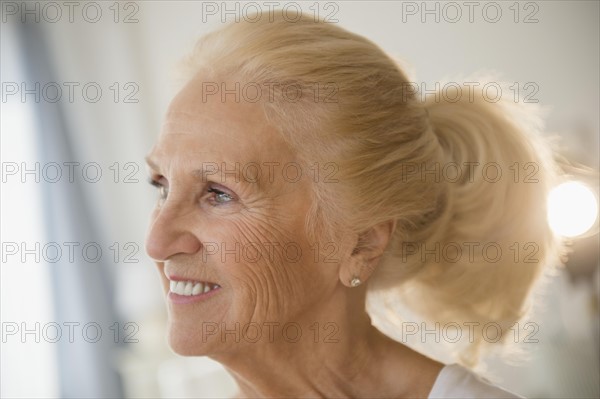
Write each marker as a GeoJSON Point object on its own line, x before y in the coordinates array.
{"type": "Point", "coordinates": [386, 145]}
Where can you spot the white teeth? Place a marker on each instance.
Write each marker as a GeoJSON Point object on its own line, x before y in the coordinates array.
{"type": "Point", "coordinates": [189, 288]}
{"type": "Point", "coordinates": [197, 289]}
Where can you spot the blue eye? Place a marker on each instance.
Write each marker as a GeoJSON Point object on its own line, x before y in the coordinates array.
{"type": "Point", "coordinates": [220, 196]}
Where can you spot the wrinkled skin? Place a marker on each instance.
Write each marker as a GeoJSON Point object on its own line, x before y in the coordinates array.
{"type": "Point", "coordinates": [199, 235]}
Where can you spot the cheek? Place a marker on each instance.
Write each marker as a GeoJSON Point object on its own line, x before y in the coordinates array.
{"type": "Point", "coordinates": [270, 267]}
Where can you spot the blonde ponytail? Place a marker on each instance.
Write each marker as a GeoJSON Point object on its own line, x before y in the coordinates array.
{"type": "Point", "coordinates": [474, 263]}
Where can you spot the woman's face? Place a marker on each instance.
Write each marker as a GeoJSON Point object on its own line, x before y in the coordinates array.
{"type": "Point", "coordinates": [230, 219]}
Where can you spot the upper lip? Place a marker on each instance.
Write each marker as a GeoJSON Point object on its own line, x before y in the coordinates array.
{"type": "Point", "coordinates": [173, 277]}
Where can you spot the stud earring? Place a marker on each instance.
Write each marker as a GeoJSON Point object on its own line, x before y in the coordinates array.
{"type": "Point", "coordinates": [355, 282]}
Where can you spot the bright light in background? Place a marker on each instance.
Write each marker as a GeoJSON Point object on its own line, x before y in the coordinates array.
{"type": "Point", "coordinates": [572, 209]}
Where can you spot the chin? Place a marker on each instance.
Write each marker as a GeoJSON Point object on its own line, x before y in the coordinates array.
{"type": "Point", "coordinates": [194, 337]}
{"type": "Point", "coordinates": [188, 342]}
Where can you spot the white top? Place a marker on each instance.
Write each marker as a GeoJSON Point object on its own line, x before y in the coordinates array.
{"type": "Point", "coordinates": [456, 381]}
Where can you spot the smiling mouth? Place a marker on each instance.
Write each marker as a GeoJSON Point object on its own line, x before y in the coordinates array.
{"type": "Point", "coordinates": [192, 288]}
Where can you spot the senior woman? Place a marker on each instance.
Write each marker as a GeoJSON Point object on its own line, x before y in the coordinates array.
{"type": "Point", "coordinates": [298, 172]}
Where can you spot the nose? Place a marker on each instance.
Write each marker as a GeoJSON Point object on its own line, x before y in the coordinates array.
{"type": "Point", "coordinates": [171, 233]}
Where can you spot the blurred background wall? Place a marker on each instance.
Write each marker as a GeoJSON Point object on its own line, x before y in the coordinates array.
{"type": "Point", "coordinates": [85, 86]}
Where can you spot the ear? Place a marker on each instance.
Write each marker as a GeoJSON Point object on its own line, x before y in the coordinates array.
{"type": "Point", "coordinates": [367, 253]}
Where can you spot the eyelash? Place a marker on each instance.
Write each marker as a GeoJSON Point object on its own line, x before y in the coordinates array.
{"type": "Point", "coordinates": [158, 185]}
{"type": "Point", "coordinates": [219, 192]}
{"type": "Point", "coordinates": [161, 187]}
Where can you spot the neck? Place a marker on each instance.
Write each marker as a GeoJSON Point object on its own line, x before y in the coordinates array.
{"type": "Point", "coordinates": [343, 356]}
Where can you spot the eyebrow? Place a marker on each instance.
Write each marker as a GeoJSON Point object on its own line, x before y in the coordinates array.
{"type": "Point", "coordinates": [221, 177]}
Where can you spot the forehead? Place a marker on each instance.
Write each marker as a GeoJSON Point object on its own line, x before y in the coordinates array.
{"type": "Point", "coordinates": [200, 127]}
